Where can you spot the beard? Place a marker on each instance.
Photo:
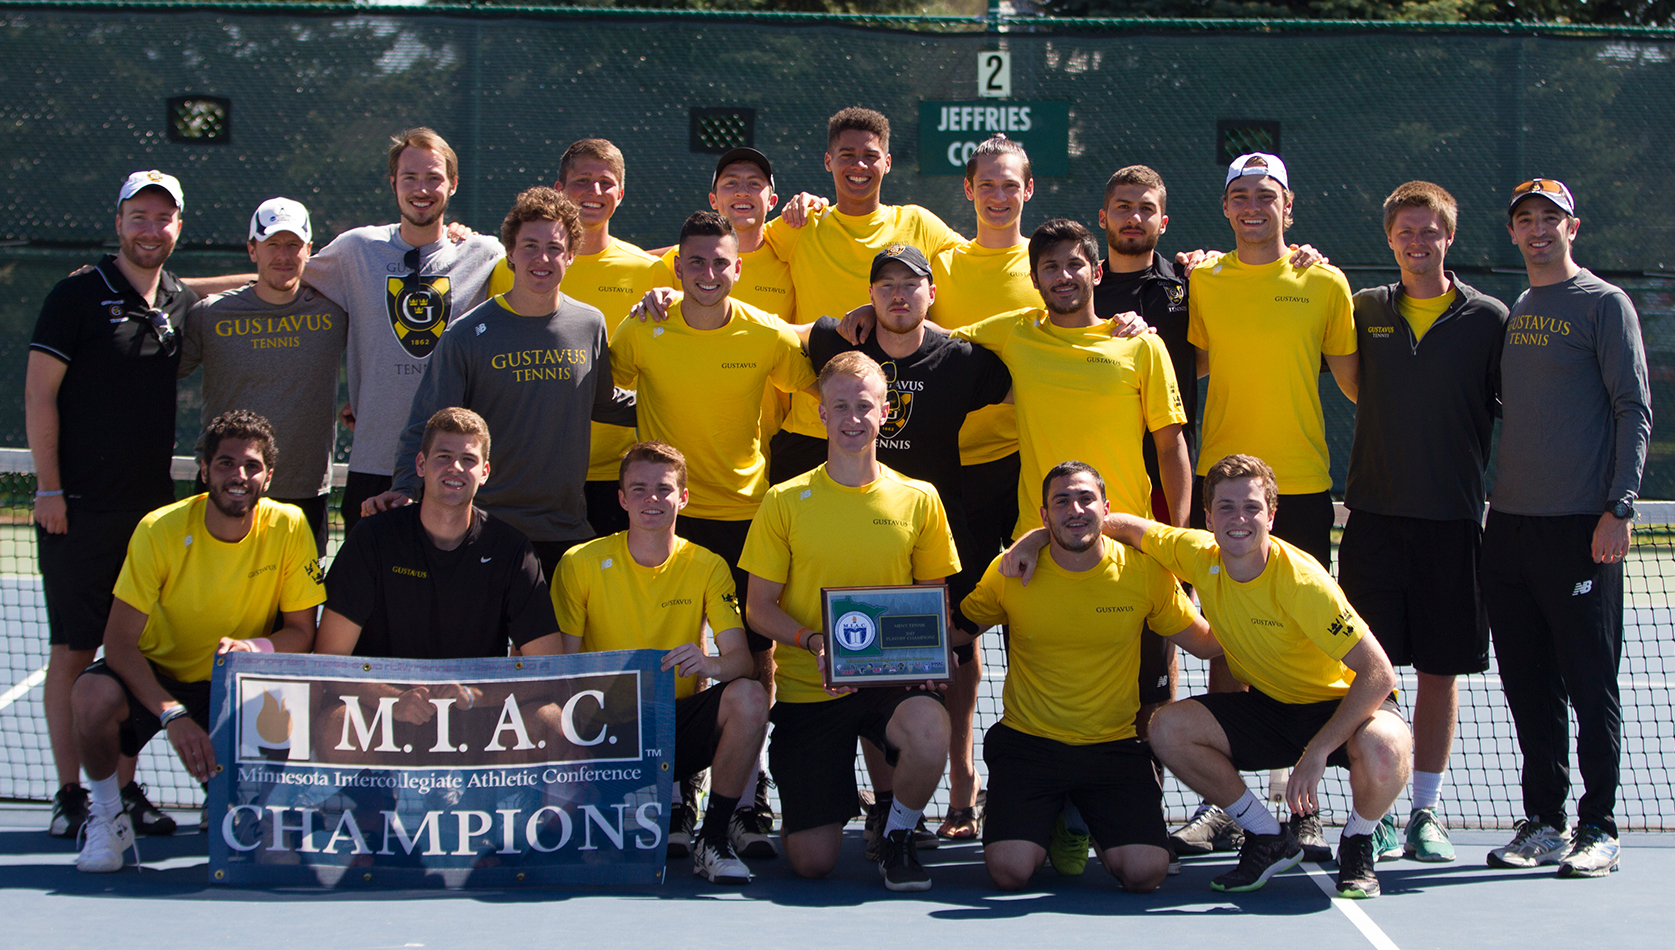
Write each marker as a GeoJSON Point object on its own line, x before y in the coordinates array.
{"type": "Point", "coordinates": [1074, 306]}
{"type": "Point", "coordinates": [234, 507]}
{"type": "Point", "coordinates": [1130, 246]}
{"type": "Point", "coordinates": [428, 218]}
{"type": "Point", "coordinates": [1071, 544]}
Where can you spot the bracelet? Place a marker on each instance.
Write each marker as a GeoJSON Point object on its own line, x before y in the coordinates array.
{"type": "Point", "coordinates": [171, 714]}
{"type": "Point", "coordinates": [800, 638]}
{"type": "Point", "coordinates": [49, 494]}
{"type": "Point", "coordinates": [809, 645]}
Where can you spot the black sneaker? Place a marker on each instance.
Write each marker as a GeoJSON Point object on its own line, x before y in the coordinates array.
{"type": "Point", "coordinates": [148, 819]}
{"type": "Point", "coordinates": [69, 811]}
{"type": "Point", "coordinates": [1356, 863]}
{"type": "Point", "coordinates": [1210, 829]}
{"type": "Point", "coordinates": [872, 830]}
{"type": "Point", "coordinates": [763, 809]}
{"type": "Point", "coordinates": [898, 862]}
{"type": "Point", "coordinates": [682, 825]}
{"type": "Point", "coordinates": [1306, 828]}
{"type": "Point", "coordinates": [1262, 857]}
{"type": "Point", "coordinates": [924, 837]}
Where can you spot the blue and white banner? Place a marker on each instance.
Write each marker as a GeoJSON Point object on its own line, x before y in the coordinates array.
{"type": "Point", "coordinates": [341, 771]}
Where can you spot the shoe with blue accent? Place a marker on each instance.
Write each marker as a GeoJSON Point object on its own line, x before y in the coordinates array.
{"type": "Point", "coordinates": [1594, 853]}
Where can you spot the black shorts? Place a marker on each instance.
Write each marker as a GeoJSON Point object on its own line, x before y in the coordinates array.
{"type": "Point", "coordinates": [791, 453]}
{"type": "Point", "coordinates": [1157, 655]}
{"type": "Point", "coordinates": [78, 571]}
{"type": "Point", "coordinates": [1264, 733]}
{"type": "Point", "coordinates": [1415, 583]}
{"type": "Point", "coordinates": [990, 496]}
{"type": "Point", "coordinates": [726, 540]}
{"type": "Point", "coordinates": [141, 724]}
{"type": "Point", "coordinates": [604, 510]}
{"type": "Point", "coordinates": [696, 733]}
{"type": "Point", "coordinates": [812, 752]}
{"type": "Point", "coordinates": [1306, 522]}
{"type": "Point", "coordinates": [358, 487]}
{"type": "Point", "coordinates": [313, 509]}
{"type": "Point", "coordinates": [1113, 785]}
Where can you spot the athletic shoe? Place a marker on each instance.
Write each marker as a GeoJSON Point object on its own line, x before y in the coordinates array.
{"type": "Point", "coordinates": [1174, 861]}
{"type": "Point", "coordinates": [716, 863]}
{"type": "Point", "coordinates": [1067, 849]}
{"type": "Point", "coordinates": [1533, 844]}
{"type": "Point", "coordinates": [682, 824]}
{"type": "Point", "coordinates": [105, 844]}
{"type": "Point", "coordinates": [1307, 830]}
{"type": "Point", "coordinates": [69, 811]}
{"type": "Point", "coordinates": [1210, 829]}
{"type": "Point", "coordinates": [1387, 845]}
{"type": "Point", "coordinates": [1427, 837]}
{"type": "Point", "coordinates": [898, 862]}
{"type": "Point", "coordinates": [748, 831]}
{"type": "Point", "coordinates": [872, 829]}
{"type": "Point", "coordinates": [1262, 857]}
{"type": "Point", "coordinates": [148, 819]}
{"type": "Point", "coordinates": [924, 837]}
{"type": "Point", "coordinates": [1356, 861]}
{"type": "Point", "coordinates": [762, 806]}
{"type": "Point", "coordinates": [1593, 855]}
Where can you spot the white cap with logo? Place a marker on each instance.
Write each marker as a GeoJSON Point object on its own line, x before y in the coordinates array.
{"type": "Point", "coordinates": [140, 181]}
{"type": "Point", "coordinates": [280, 214]}
{"type": "Point", "coordinates": [1257, 164]}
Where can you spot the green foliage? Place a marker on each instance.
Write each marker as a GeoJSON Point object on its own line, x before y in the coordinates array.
{"type": "Point", "coordinates": [1603, 12]}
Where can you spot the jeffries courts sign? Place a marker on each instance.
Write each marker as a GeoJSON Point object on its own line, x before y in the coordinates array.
{"type": "Point", "coordinates": [949, 133]}
{"type": "Point", "coordinates": [535, 770]}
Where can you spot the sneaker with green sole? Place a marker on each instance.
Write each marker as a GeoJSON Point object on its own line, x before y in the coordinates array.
{"type": "Point", "coordinates": [1068, 850]}
{"type": "Point", "coordinates": [1387, 845]}
{"type": "Point", "coordinates": [1427, 837]}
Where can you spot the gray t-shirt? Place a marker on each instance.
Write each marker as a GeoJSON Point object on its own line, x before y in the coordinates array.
{"type": "Point", "coordinates": [537, 382]}
{"type": "Point", "coordinates": [278, 360]}
{"type": "Point", "coordinates": [395, 321]}
{"type": "Point", "coordinates": [1576, 406]}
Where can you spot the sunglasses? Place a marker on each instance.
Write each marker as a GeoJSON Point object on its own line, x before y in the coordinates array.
{"type": "Point", "coordinates": [165, 333]}
{"type": "Point", "coordinates": [1540, 186]}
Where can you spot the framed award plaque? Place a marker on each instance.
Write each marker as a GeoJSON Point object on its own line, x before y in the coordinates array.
{"type": "Point", "coordinates": [880, 636]}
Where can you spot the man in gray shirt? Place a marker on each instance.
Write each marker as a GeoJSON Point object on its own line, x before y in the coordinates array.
{"type": "Point", "coordinates": [1577, 420]}
{"type": "Point", "coordinates": [273, 348]}
{"type": "Point", "coordinates": [402, 285]}
{"type": "Point", "coordinates": [534, 363]}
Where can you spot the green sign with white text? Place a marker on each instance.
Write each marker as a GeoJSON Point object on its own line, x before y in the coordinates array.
{"type": "Point", "coordinates": [950, 131]}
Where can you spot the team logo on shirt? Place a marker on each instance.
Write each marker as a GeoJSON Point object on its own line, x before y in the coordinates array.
{"type": "Point", "coordinates": [1176, 294]}
{"type": "Point", "coordinates": [420, 308]}
{"type": "Point", "coordinates": [898, 400]}
{"type": "Point", "coordinates": [1340, 626]}
{"type": "Point", "coordinates": [855, 631]}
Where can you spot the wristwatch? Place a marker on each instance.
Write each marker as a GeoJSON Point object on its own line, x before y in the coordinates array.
{"type": "Point", "coordinates": [1624, 509]}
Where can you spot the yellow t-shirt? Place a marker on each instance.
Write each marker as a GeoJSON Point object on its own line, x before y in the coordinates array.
{"type": "Point", "coordinates": [613, 602]}
{"type": "Point", "coordinates": [1266, 328]}
{"type": "Point", "coordinates": [1074, 643]}
{"type": "Point", "coordinates": [692, 386]}
{"type": "Point", "coordinates": [811, 533]}
{"type": "Point", "coordinates": [830, 258]}
{"type": "Point", "coordinates": [974, 283]}
{"type": "Point", "coordinates": [195, 589]}
{"type": "Point", "coordinates": [613, 280]}
{"type": "Point", "coordinates": [500, 279]}
{"type": "Point", "coordinates": [1420, 314]}
{"type": "Point", "coordinates": [1286, 632]}
{"type": "Point", "coordinates": [1082, 394]}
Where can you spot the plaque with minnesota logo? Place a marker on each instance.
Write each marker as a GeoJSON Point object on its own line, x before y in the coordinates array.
{"type": "Point", "coordinates": [883, 636]}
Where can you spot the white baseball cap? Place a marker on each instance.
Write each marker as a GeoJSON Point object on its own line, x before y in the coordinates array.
{"type": "Point", "coordinates": [139, 181]}
{"type": "Point", "coordinates": [1257, 163]}
{"type": "Point", "coordinates": [280, 214]}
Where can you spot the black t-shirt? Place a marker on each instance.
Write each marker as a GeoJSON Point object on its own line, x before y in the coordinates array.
{"type": "Point", "coordinates": [415, 601]}
{"type": "Point", "coordinates": [1159, 294]}
{"type": "Point", "coordinates": [116, 405]}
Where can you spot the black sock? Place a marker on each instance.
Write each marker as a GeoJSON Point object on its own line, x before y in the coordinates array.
{"type": "Point", "coordinates": [716, 817]}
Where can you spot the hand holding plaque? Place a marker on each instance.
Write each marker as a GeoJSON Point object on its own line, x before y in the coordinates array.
{"type": "Point", "coordinates": [885, 636]}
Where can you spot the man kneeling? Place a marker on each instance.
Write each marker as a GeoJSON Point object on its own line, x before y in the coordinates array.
{"type": "Point", "coordinates": [1067, 732]}
{"type": "Point", "coordinates": [203, 576]}
{"type": "Point", "coordinates": [1320, 683]}
{"type": "Point", "coordinates": [645, 588]}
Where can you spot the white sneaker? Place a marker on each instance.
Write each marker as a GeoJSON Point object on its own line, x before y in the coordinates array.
{"type": "Point", "coordinates": [1532, 844]}
{"type": "Point", "coordinates": [106, 843]}
{"type": "Point", "coordinates": [748, 832]}
{"type": "Point", "coordinates": [717, 863]}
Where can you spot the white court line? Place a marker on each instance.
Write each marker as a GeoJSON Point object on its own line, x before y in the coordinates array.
{"type": "Point", "coordinates": [1350, 909]}
{"type": "Point", "coordinates": [23, 686]}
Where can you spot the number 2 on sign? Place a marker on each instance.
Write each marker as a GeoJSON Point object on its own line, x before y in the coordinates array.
{"type": "Point", "coordinates": [994, 74]}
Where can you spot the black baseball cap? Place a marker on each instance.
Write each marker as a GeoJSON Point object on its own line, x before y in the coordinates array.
{"type": "Point", "coordinates": [743, 154]}
{"type": "Point", "coordinates": [905, 254]}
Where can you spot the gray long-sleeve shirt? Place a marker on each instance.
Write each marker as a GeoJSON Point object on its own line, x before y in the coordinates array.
{"type": "Point", "coordinates": [537, 381]}
{"type": "Point", "coordinates": [1576, 404]}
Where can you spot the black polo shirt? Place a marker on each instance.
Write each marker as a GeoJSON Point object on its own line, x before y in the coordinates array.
{"type": "Point", "coordinates": [1157, 293]}
{"type": "Point", "coordinates": [415, 601]}
{"type": "Point", "coordinates": [1425, 414]}
{"type": "Point", "coordinates": [116, 405]}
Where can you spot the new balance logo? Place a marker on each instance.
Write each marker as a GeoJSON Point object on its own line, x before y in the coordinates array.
{"type": "Point", "coordinates": [482, 328]}
{"type": "Point", "coordinates": [1582, 588]}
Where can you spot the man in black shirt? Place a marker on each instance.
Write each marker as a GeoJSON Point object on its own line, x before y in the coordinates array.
{"type": "Point", "coordinates": [99, 409]}
{"type": "Point", "coordinates": [441, 579]}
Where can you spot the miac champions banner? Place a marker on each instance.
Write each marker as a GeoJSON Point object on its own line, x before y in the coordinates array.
{"type": "Point", "coordinates": [467, 773]}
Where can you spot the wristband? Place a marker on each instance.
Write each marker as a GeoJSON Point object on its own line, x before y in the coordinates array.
{"type": "Point", "coordinates": [800, 638]}
{"type": "Point", "coordinates": [809, 644]}
{"type": "Point", "coordinates": [260, 645]}
{"type": "Point", "coordinates": [171, 714]}
{"type": "Point", "coordinates": [49, 494]}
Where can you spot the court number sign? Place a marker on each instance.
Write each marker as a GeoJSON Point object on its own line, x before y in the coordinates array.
{"type": "Point", "coordinates": [994, 75]}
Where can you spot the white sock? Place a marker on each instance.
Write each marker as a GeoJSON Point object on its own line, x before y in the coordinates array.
{"type": "Point", "coordinates": [105, 795]}
{"type": "Point", "coordinates": [747, 798]}
{"type": "Point", "coordinates": [901, 816]}
{"type": "Point", "coordinates": [1253, 816]}
{"type": "Point", "coordinates": [1427, 789]}
{"type": "Point", "coordinates": [1356, 825]}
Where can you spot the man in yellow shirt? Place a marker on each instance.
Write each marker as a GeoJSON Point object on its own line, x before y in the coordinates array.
{"type": "Point", "coordinates": [850, 522]}
{"type": "Point", "coordinates": [647, 588]}
{"type": "Point", "coordinates": [1067, 731]}
{"type": "Point", "coordinates": [1320, 685]}
{"type": "Point", "coordinates": [610, 274]}
{"type": "Point", "coordinates": [203, 576]}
